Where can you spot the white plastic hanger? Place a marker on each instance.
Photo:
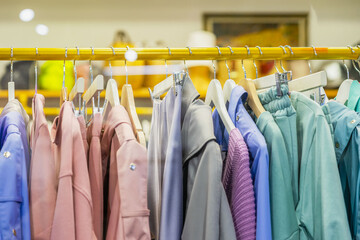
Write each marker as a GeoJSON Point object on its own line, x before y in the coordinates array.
{"type": "Point", "coordinates": [11, 84]}
{"type": "Point", "coordinates": [229, 84]}
{"type": "Point", "coordinates": [302, 84]}
{"type": "Point", "coordinates": [165, 85]}
{"type": "Point", "coordinates": [344, 90]}
{"type": "Point", "coordinates": [96, 87]}
{"type": "Point", "coordinates": [79, 86]}
{"type": "Point", "coordinates": [215, 95]}
{"type": "Point", "coordinates": [111, 93]}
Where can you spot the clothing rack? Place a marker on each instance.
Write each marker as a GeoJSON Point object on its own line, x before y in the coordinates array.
{"type": "Point", "coordinates": [189, 53]}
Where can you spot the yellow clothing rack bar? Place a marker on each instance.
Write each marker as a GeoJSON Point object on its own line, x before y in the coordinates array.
{"type": "Point", "coordinates": [269, 53]}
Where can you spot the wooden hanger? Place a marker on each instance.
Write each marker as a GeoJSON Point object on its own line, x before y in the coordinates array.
{"type": "Point", "coordinates": [253, 98]}
{"type": "Point", "coordinates": [128, 102]}
{"type": "Point", "coordinates": [111, 97]}
{"type": "Point", "coordinates": [97, 86]}
{"type": "Point", "coordinates": [214, 95]}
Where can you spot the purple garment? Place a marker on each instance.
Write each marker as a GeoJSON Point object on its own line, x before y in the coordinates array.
{"type": "Point", "coordinates": [14, 198]}
{"type": "Point", "coordinates": [238, 186]}
{"type": "Point", "coordinates": [259, 157]}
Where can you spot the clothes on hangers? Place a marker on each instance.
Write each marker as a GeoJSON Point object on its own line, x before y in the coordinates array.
{"type": "Point", "coordinates": [239, 188]}
{"type": "Point", "coordinates": [165, 182]}
{"type": "Point", "coordinates": [353, 101]}
{"type": "Point", "coordinates": [258, 153]}
{"type": "Point", "coordinates": [284, 223]}
{"type": "Point", "coordinates": [96, 174]}
{"type": "Point", "coordinates": [73, 210]}
{"type": "Point", "coordinates": [14, 204]}
{"type": "Point", "coordinates": [346, 125]}
{"type": "Point", "coordinates": [43, 179]}
{"type": "Point", "coordinates": [207, 212]}
{"type": "Point", "coordinates": [128, 216]}
{"type": "Point", "coordinates": [285, 117]}
{"type": "Point", "coordinates": [321, 209]}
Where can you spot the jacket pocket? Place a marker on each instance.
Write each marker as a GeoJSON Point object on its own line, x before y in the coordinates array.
{"type": "Point", "coordinates": [136, 225]}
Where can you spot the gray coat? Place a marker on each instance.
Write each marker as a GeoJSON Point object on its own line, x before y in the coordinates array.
{"type": "Point", "coordinates": [207, 211]}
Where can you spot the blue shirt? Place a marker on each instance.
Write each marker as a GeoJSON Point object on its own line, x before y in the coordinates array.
{"type": "Point", "coordinates": [14, 199]}
{"type": "Point", "coordinates": [259, 157]}
{"type": "Point", "coordinates": [346, 124]}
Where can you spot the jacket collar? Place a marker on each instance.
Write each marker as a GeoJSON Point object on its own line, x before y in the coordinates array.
{"type": "Point", "coordinates": [197, 125]}
{"type": "Point", "coordinates": [117, 122]}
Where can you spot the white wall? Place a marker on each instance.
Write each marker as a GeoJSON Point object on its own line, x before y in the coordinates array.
{"type": "Point", "coordinates": [88, 23]}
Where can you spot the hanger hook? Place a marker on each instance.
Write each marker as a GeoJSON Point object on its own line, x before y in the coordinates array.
{"type": "Point", "coordinates": [261, 53]}
{"type": "Point", "coordinates": [190, 53]}
{"type": "Point", "coordinates": [11, 65]}
{"type": "Point", "coordinates": [291, 51]}
{"type": "Point", "coordinates": [356, 61]}
{"type": "Point", "coordinates": [126, 69]}
{"type": "Point", "coordinates": [36, 72]}
{"type": "Point", "coordinates": [166, 66]}
{"type": "Point", "coordinates": [231, 52]}
{"type": "Point", "coordinates": [347, 70]}
{"type": "Point", "coordinates": [351, 48]}
{"type": "Point", "coordinates": [242, 61]}
{"type": "Point", "coordinates": [281, 65]}
{"type": "Point", "coordinates": [111, 73]}
{"type": "Point", "coordinates": [90, 65]}
{"type": "Point", "coordinates": [78, 53]}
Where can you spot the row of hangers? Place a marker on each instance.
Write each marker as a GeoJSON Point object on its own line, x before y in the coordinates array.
{"type": "Point", "coordinates": [95, 88]}
{"type": "Point", "coordinates": [218, 96]}
{"type": "Point", "coordinates": [215, 94]}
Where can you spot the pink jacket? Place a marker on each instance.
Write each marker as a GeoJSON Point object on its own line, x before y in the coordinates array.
{"type": "Point", "coordinates": [43, 181]}
{"type": "Point", "coordinates": [127, 200]}
{"type": "Point", "coordinates": [73, 211]}
{"type": "Point", "coordinates": [95, 173]}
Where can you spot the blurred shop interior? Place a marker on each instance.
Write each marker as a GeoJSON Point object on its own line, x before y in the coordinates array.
{"type": "Point", "coordinates": [160, 23]}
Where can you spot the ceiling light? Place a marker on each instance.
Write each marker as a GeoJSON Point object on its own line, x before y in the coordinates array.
{"type": "Point", "coordinates": [26, 15]}
{"type": "Point", "coordinates": [42, 29]}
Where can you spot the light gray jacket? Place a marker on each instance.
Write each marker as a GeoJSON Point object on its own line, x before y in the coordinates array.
{"type": "Point", "coordinates": [207, 212]}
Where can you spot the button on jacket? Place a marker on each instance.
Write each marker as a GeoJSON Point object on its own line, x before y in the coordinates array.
{"type": "Point", "coordinates": [95, 173]}
{"type": "Point", "coordinates": [208, 213]}
{"type": "Point", "coordinates": [43, 183]}
{"type": "Point", "coordinates": [129, 215]}
{"type": "Point", "coordinates": [346, 125]}
{"type": "Point", "coordinates": [321, 209]}
{"type": "Point", "coordinates": [165, 186]}
{"type": "Point", "coordinates": [73, 210]}
{"type": "Point", "coordinates": [14, 199]}
{"type": "Point", "coordinates": [239, 188]}
{"type": "Point", "coordinates": [283, 215]}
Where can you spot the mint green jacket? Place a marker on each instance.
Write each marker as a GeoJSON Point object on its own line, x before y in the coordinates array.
{"type": "Point", "coordinates": [321, 209]}
{"type": "Point", "coordinates": [284, 222]}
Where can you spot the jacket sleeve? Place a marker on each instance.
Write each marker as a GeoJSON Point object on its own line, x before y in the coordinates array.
{"type": "Point", "coordinates": [208, 213]}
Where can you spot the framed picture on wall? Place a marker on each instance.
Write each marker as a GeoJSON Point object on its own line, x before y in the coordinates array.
{"type": "Point", "coordinates": [270, 30]}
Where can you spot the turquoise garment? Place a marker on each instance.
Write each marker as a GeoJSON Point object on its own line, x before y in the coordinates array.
{"type": "Point", "coordinates": [321, 209]}
{"type": "Point", "coordinates": [285, 117]}
{"type": "Point", "coordinates": [354, 96]}
{"type": "Point", "coordinates": [283, 215]}
{"type": "Point", "coordinates": [346, 125]}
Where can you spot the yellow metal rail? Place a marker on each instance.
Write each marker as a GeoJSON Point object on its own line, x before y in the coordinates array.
{"type": "Point", "coordinates": [268, 53]}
